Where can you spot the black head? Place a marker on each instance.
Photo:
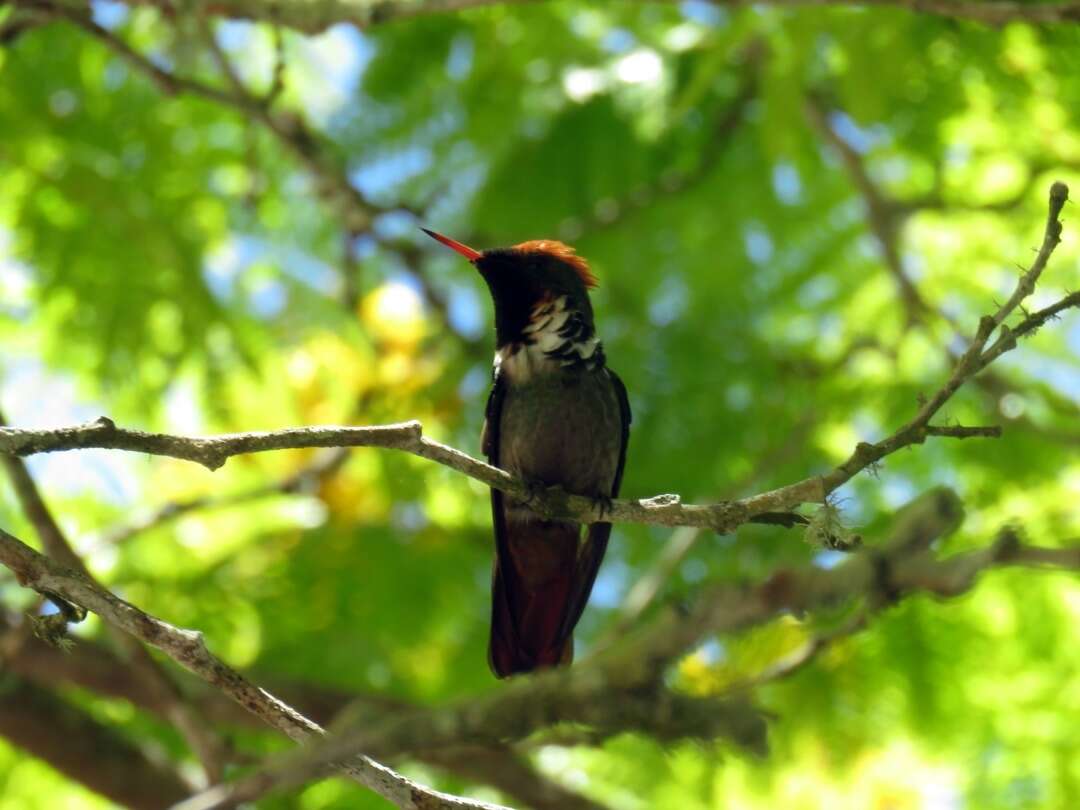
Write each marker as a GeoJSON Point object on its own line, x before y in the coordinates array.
{"type": "Point", "coordinates": [522, 276]}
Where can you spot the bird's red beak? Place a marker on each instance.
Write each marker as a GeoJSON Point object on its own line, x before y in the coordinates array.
{"type": "Point", "coordinates": [464, 250]}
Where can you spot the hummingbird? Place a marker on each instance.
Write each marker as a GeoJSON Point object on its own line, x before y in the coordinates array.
{"type": "Point", "coordinates": [556, 416]}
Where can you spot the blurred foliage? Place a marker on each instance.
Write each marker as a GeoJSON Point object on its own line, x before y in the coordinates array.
{"type": "Point", "coordinates": [167, 261]}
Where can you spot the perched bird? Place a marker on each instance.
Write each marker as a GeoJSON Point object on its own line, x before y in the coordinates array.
{"type": "Point", "coordinates": [556, 416]}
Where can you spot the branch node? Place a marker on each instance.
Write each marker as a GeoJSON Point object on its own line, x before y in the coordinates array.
{"type": "Point", "coordinates": [964, 431]}
{"type": "Point", "coordinates": [1007, 544]}
{"type": "Point", "coordinates": [659, 502]}
{"type": "Point", "coordinates": [194, 642]}
{"type": "Point", "coordinates": [104, 424]}
{"type": "Point", "coordinates": [213, 460]}
{"type": "Point", "coordinates": [863, 450]}
{"type": "Point", "coordinates": [1059, 193]}
{"type": "Point", "coordinates": [986, 326]}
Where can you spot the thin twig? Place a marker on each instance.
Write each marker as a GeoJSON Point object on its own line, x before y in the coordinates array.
{"type": "Point", "coordinates": [303, 480]}
{"type": "Point", "coordinates": [887, 214]}
{"type": "Point", "coordinates": [316, 154]}
{"type": "Point", "coordinates": [277, 76]}
{"type": "Point", "coordinates": [972, 360]}
{"type": "Point", "coordinates": [967, 365]}
{"type": "Point", "coordinates": [883, 218]}
{"type": "Point", "coordinates": [168, 83]}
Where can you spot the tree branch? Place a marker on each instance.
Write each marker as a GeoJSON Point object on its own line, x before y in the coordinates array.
{"type": "Point", "coordinates": [187, 648]}
{"type": "Point", "coordinates": [974, 359]}
{"type": "Point", "coordinates": [314, 17]}
{"type": "Point", "coordinates": [578, 695]}
{"type": "Point", "coordinates": [202, 740]}
{"type": "Point", "coordinates": [660, 510]}
{"type": "Point", "coordinates": [91, 666]}
{"type": "Point", "coordinates": [886, 216]}
{"type": "Point", "coordinates": [632, 669]}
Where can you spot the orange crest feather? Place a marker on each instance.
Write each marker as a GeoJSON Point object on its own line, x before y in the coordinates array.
{"type": "Point", "coordinates": [563, 253]}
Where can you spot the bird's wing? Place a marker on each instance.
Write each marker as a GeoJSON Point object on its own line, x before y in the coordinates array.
{"type": "Point", "coordinates": [627, 417]}
{"type": "Point", "coordinates": [489, 434]}
{"type": "Point", "coordinates": [503, 598]}
{"type": "Point", "coordinates": [489, 445]}
{"type": "Point", "coordinates": [596, 540]}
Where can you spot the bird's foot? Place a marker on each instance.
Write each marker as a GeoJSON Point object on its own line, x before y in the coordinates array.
{"type": "Point", "coordinates": [603, 504]}
{"type": "Point", "coordinates": [535, 494]}
{"type": "Point", "coordinates": [543, 500]}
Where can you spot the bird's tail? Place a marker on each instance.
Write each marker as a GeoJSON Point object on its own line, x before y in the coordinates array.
{"type": "Point", "coordinates": [541, 582]}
